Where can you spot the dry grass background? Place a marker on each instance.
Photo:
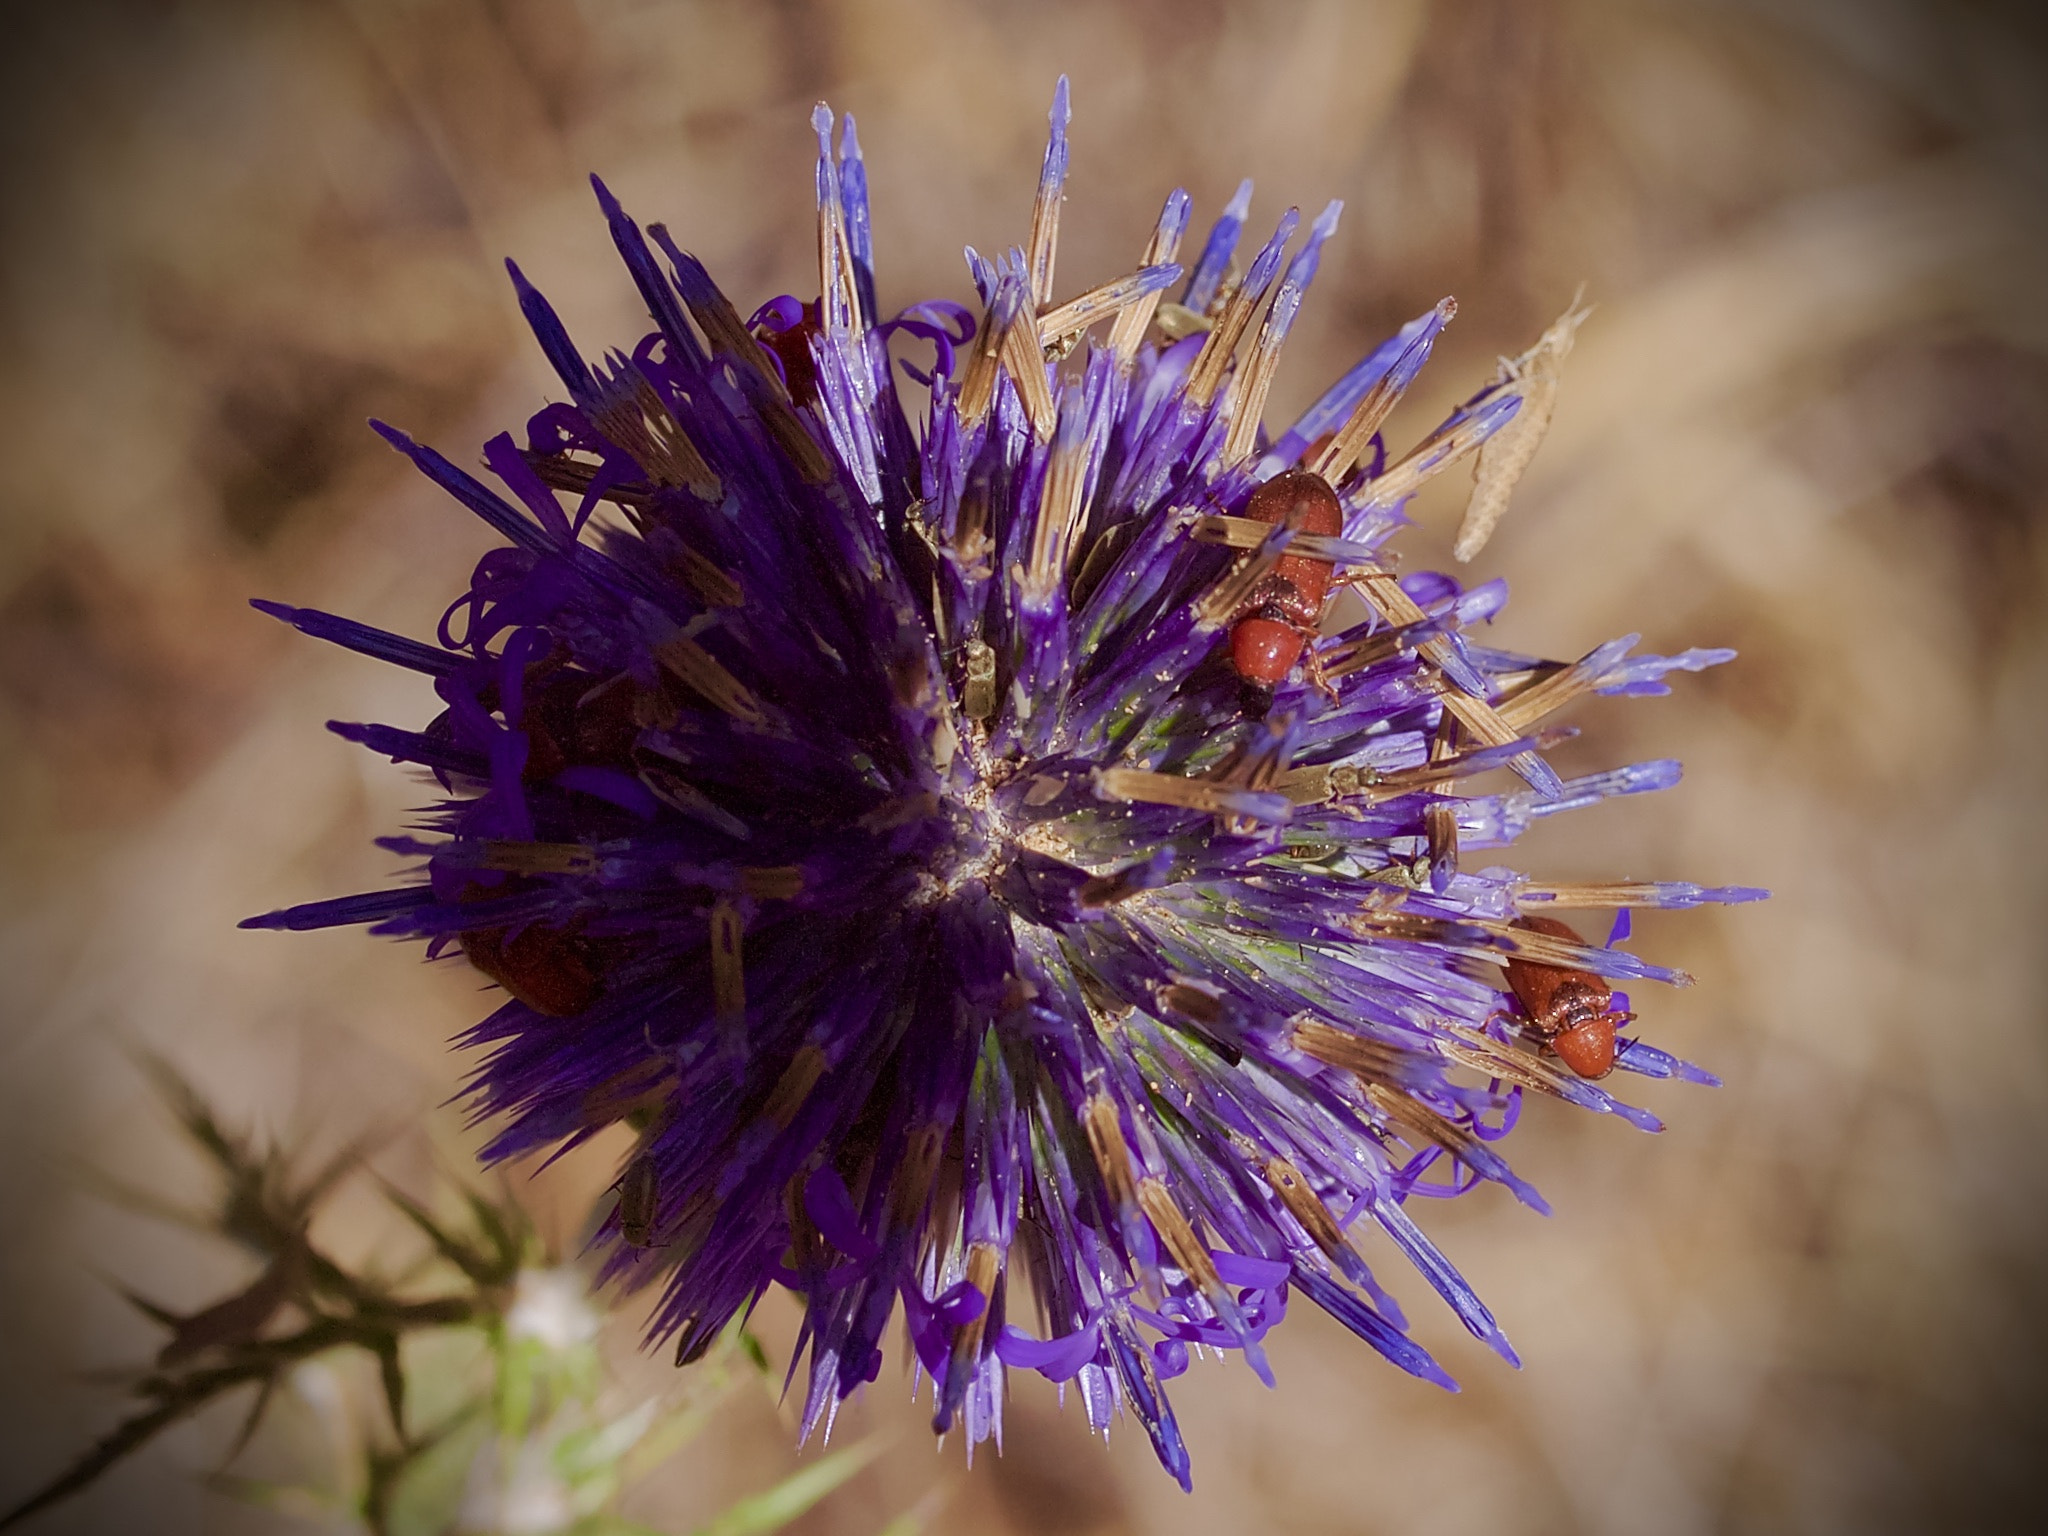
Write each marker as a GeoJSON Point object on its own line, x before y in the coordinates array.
{"type": "Point", "coordinates": [1807, 420]}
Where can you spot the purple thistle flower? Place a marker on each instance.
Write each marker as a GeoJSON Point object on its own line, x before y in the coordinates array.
{"type": "Point", "coordinates": [865, 807]}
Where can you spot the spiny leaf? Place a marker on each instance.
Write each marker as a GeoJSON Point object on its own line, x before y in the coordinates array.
{"type": "Point", "coordinates": [479, 1267]}
{"type": "Point", "coordinates": [239, 1317]}
{"type": "Point", "coordinates": [148, 1308]}
{"type": "Point", "coordinates": [506, 1236]}
{"type": "Point", "coordinates": [129, 1435]}
{"type": "Point", "coordinates": [501, 1233]}
{"type": "Point", "coordinates": [247, 1432]}
{"type": "Point", "coordinates": [336, 1168]}
{"type": "Point", "coordinates": [386, 1350]}
{"type": "Point", "coordinates": [194, 1114]}
{"type": "Point", "coordinates": [115, 1192]}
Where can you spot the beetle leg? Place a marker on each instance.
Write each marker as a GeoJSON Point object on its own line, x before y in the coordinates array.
{"type": "Point", "coordinates": [1515, 1021]}
{"type": "Point", "coordinates": [1312, 664]}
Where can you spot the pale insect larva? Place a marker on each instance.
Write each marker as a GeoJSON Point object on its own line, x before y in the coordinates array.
{"type": "Point", "coordinates": [1507, 453]}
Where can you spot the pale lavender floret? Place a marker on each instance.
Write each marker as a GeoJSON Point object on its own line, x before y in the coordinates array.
{"type": "Point", "coordinates": [853, 192]}
{"type": "Point", "coordinates": [1489, 416]}
{"type": "Point", "coordinates": [1173, 216]}
{"type": "Point", "coordinates": [1281, 312]}
{"type": "Point", "coordinates": [1052, 175]}
{"type": "Point", "coordinates": [1157, 279]}
{"type": "Point", "coordinates": [984, 273]}
{"type": "Point", "coordinates": [739, 707]}
{"type": "Point", "coordinates": [1267, 262]}
{"type": "Point", "coordinates": [1401, 355]}
{"type": "Point", "coordinates": [1648, 1061]}
{"type": "Point", "coordinates": [1644, 675]}
{"type": "Point", "coordinates": [1218, 249]}
{"type": "Point", "coordinates": [1497, 820]}
{"type": "Point", "coordinates": [1302, 270]}
{"type": "Point", "coordinates": [838, 316]}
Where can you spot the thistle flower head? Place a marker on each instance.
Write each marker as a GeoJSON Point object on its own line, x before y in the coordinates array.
{"type": "Point", "coordinates": [948, 823]}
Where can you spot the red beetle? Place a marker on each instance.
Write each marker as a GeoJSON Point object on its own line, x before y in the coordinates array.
{"type": "Point", "coordinates": [792, 348]}
{"type": "Point", "coordinates": [551, 970]}
{"type": "Point", "coordinates": [1280, 616]}
{"type": "Point", "coordinates": [1566, 1006]}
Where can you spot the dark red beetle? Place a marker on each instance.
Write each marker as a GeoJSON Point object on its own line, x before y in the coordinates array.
{"type": "Point", "coordinates": [1566, 1006]}
{"type": "Point", "coordinates": [792, 348]}
{"type": "Point", "coordinates": [570, 718]}
{"type": "Point", "coordinates": [551, 970]}
{"type": "Point", "coordinates": [1280, 616]}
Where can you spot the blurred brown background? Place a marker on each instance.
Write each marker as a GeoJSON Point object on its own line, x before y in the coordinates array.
{"type": "Point", "coordinates": [1807, 420]}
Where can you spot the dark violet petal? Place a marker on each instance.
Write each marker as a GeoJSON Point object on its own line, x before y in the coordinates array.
{"type": "Point", "coordinates": [511, 467]}
{"type": "Point", "coordinates": [660, 298]}
{"type": "Point", "coordinates": [1059, 1359]}
{"type": "Point", "coordinates": [371, 907]}
{"type": "Point", "coordinates": [554, 341]}
{"type": "Point", "coordinates": [778, 314]}
{"type": "Point", "coordinates": [1354, 1313]}
{"type": "Point", "coordinates": [960, 1305]}
{"type": "Point", "coordinates": [361, 638]}
{"type": "Point", "coordinates": [1243, 1269]}
{"type": "Point", "coordinates": [468, 490]}
{"type": "Point", "coordinates": [831, 1207]}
